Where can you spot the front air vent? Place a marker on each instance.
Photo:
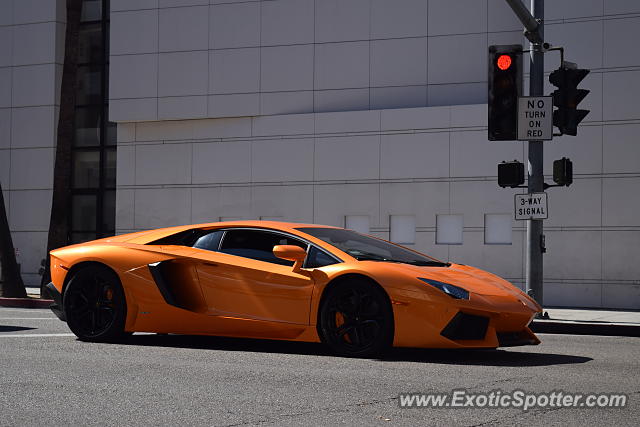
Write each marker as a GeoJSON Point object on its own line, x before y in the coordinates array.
{"type": "Point", "coordinates": [466, 326]}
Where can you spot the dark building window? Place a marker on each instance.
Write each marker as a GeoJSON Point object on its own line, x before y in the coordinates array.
{"type": "Point", "coordinates": [94, 147]}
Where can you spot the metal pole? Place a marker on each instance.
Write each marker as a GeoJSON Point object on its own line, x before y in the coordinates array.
{"type": "Point", "coordinates": [535, 242]}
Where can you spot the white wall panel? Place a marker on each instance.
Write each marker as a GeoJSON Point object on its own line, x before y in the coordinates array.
{"type": "Point", "coordinates": [341, 65]}
{"type": "Point", "coordinates": [282, 160]}
{"type": "Point", "coordinates": [234, 25]}
{"type": "Point", "coordinates": [457, 17]}
{"type": "Point", "coordinates": [423, 199]}
{"type": "Point", "coordinates": [473, 155]}
{"type": "Point", "coordinates": [34, 43]}
{"type": "Point", "coordinates": [414, 155]}
{"type": "Point", "coordinates": [183, 73]}
{"type": "Point", "coordinates": [465, 57]}
{"type": "Point", "coordinates": [621, 150]}
{"type": "Point", "coordinates": [133, 32]}
{"type": "Point", "coordinates": [163, 164]}
{"type": "Point", "coordinates": [475, 198]}
{"type": "Point", "coordinates": [34, 85]}
{"type": "Point", "coordinates": [161, 207]}
{"type": "Point", "coordinates": [620, 93]}
{"type": "Point", "coordinates": [234, 105]}
{"type": "Point", "coordinates": [399, 62]}
{"type": "Point", "coordinates": [341, 100]}
{"type": "Point", "coordinates": [221, 162]}
{"type": "Point", "coordinates": [34, 208]}
{"type": "Point", "coordinates": [620, 252]}
{"type": "Point", "coordinates": [286, 102]}
{"type": "Point", "coordinates": [358, 223]}
{"type": "Point", "coordinates": [340, 20]}
{"type": "Point", "coordinates": [133, 76]}
{"type": "Point", "coordinates": [347, 158]}
{"type": "Point", "coordinates": [287, 68]}
{"type": "Point", "coordinates": [234, 70]}
{"type": "Point", "coordinates": [449, 229]}
{"type": "Point", "coordinates": [620, 201]}
{"type": "Point", "coordinates": [397, 97]}
{"type": "Point", "coordinates": [23, 132]}
{"type": "Point", "coordinates": [283, 202]}
{"type": "Point", "coordinates": [5, 128]}
{"type": "Point", "coordinates": [581, 254]}
{"type": "Point", "coordinates": [33, 168]}
{"type": "Point", "coordinates": [333, 202]}
{"type": "Point", "coordinates": [211, 204]}
{"type": "Point", "coordinates": [388, 19]}
{"type": "Point", "coordinates": [287, 22]}
{"type": "Point", "coordinates": [183, 28]}
{"type": "Point", "coordinates": [402, 229]}
{"type": "Point", "coordinates": [182, 107]}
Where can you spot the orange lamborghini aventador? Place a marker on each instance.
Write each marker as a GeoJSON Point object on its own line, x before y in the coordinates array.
{"type": "Point", "coordinates": [301, 282]}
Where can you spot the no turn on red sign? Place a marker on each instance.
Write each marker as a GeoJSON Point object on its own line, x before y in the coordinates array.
{"type": "Point", "coordinates": [535, 118]}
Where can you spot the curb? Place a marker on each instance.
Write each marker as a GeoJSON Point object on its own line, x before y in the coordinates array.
{"type": "Point", "coordinates": [585, 328]}
{"type": "Point", "coordinates": [25, 302]}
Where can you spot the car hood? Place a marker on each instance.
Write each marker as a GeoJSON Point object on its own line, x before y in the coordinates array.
{"type": "Point", "coordinates": [470, 278]}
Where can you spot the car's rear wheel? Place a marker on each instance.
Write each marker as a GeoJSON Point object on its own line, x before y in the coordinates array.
{"type": "Point", "coordinates": [94, 304]}
{"type": "Point", "coordinates": [356, 319]}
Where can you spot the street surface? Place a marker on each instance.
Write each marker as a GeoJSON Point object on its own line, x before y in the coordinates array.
{"type": "Point", "coordinates": [47, 376]}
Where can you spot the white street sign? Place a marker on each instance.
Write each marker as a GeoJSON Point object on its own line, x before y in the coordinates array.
{"type": "Point", "coordinates": [531, 206]}
{"type": "Point", "coordinates": [535, 118]}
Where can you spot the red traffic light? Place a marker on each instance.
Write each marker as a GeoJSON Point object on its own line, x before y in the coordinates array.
{"type": "Point", "coordinates": [504, 62]}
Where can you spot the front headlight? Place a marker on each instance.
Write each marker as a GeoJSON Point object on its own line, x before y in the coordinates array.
{"type": "Point", "coordinates": [447, 288]}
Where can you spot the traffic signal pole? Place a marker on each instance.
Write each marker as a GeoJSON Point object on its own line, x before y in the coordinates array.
{"type": "Point", "coordinates": [535, 236]}
{"type": "Point", "coordinates": [534, 31]}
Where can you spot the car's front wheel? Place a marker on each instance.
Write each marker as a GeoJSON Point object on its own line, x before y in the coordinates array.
{"type": "Point", "coordinates": [356, 319]}
{"type": "Point", "coordinates": [94, 304]}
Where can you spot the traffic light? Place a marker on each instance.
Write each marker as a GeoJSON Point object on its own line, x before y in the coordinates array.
{"type": "Point", "coordinates": [567, 97]}
{"type": "Point", "coordinates": [563, 171]}
{"type": "Point", "coordinates": [510, 174]}
{"type": "Point", "coordinates": [505, 86]}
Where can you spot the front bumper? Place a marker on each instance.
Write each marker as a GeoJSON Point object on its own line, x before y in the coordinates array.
{"type": "Point", "coordinates": [56, 307]}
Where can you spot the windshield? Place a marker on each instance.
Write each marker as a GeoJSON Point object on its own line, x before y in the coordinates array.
{"type": "Point", "coordinates": [365, 248]}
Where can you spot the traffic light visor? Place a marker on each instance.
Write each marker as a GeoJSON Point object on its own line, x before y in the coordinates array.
{"type": "Point", "coordinates": [504, 62]}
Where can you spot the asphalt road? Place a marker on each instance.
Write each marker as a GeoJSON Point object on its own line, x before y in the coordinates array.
{"type": "Point", "coordinates": [48, 377]}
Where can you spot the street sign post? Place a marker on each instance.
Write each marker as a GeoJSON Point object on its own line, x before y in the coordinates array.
{"type": "Point", "coordinates": [535, 118]}
{"type": "Point", "coordinates": [530, 206]}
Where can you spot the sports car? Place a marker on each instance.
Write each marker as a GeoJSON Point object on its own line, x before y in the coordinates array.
{"type": "Point", "coordinates": [301, 282]}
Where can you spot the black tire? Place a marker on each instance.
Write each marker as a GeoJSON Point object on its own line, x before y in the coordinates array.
{"type": "Point", "coordinates": [94, 305]}
{"type": "Point", "coordinates": [356, 319]}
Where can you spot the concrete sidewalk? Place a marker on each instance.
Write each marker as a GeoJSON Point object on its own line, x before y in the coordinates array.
{"type": "Point", "coordinates": [586, 321]}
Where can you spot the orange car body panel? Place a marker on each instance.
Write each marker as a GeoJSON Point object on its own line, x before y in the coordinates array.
{"type": "Point", "coordinates": [229, 295]}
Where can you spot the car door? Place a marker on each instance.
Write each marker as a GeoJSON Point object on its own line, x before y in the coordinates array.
{"type": "Point", "coordinates": [243, 279]}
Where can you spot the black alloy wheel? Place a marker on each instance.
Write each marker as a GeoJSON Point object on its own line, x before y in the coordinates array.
{"type": "Point", "coordinates": [356, 319]}
{"type": "Point", "coordinates": [94, 304]}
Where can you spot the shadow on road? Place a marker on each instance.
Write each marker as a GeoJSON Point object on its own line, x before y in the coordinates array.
{"type": "Point", "coordinates": [440, 356]}
{"type": "Point", "coordinates": [6, 328]}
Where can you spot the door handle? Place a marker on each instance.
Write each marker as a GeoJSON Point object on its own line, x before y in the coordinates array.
{"type": "Point", "coordinates": [211, 264]}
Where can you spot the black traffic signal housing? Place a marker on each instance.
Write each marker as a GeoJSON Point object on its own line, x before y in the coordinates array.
{"type": "Point", "coordinates": [563, 172]}
{"type": "Point", "coordinates": [505, 86]}
{"type": "Point", "coordinates": [567, 97]}
{"type": "Point", "coordinates": [510, 174]}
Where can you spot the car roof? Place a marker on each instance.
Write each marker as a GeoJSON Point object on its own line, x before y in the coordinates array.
{"type": "Point", "coordinates": [147, 236]}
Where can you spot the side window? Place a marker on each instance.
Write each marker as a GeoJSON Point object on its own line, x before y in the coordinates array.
{"type": "Point", "coordinates": [209, 241]}
{"type": "Point", "coordinates": [257, 245]}
{"type": "Point", "coordinates": [316, 258]}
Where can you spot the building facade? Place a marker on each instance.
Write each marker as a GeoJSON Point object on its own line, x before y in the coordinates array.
{"type": "Point", "coordinates": [369, 114]}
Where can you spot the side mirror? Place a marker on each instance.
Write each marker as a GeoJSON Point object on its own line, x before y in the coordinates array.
{"type": "Point", "coordinates": [291, 253]}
